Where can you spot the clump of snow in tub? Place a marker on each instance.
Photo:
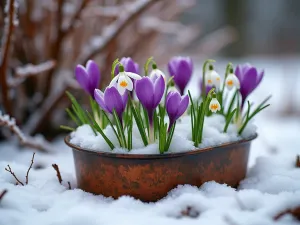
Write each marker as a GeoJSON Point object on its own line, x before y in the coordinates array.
{"type": "Point", "coordinates": [213, 135]}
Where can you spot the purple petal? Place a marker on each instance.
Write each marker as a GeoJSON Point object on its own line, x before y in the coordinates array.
{"type": "Point", "coordinates": [82, 77]}
{"type": "Point", "coordinates": [260, 77]}
{"type": "Point", "coordinates": [98, 95]}
{"type": "Point", "coordinates": [183, 106]}
{"type": "Point", "coordinates": [94, 75]}
{"type": "Point", "coordinates": [129, 65]}
{"type": "Point", "coordinates": [172, 65]}
{"type": "Point", "coordinates": [113, 100]}
{"type": "Point", "coordinates": [183, 75]}
{"type": "Point", "coordinates": [172, 104]}
{"type": "Point", "coordinates": [249, 82]}
{"type": "Point", "coordinates": [159, 89]}
{"type": "Point", "coordinates": [238, 73]}
{"type": "Point", "coordinates": [144, 90]}
{"type": "Point", "coordinates": [124, 99]}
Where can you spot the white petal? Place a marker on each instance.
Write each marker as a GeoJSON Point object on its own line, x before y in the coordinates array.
{"type": "Point", "coordinates": [129, 83]}
{"type": "Point", "coordinates": [114, 80]}
{"type": "Point", "coordinates": [121, 89]}
{"type": "Point", "coordinates": [214, 105]}
{"type": "Point", "coordinates": [133, 75]}
{"type": "Point", "coordinates": [237, 82]}
{"type": "Point", "coordinates": [159, 72]}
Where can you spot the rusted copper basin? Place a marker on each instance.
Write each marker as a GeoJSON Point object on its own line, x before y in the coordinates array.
{"type": "Point", "coordinates": [151, 177]}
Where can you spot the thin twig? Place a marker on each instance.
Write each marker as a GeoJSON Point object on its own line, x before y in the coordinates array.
{"type": "Point", "coordinates": [2, 194]}
{"type": "Point", "coordinates": [29, 168]}
{"type": "Point", "coordinates": [10, 123]}
{"type": "Point", "coordinates": [294, 212]}
{"type": "Point", "coordinates": [4, 57]}
{"type": "Point", "coordinates": [55, 166]}
{"type": "Point", "coordinates": [14, 175]}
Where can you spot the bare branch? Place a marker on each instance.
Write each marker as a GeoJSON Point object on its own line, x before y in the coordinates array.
{"type": "Point", "coordinates": [55, 166]}
{"type": "Point", "coordinates": [29, 168]}
{"type": "Point", "coordinates": [2, 194]}
{"type": "Point", "coordinates": [29, 70]}
{"type": "Point", "coordinates": [114, 30]}
{"type": "Point", "coordinates": [100, 11]}
{"type": "Point", "coordinates": [4, 57]}
{"type": "Point", "coordinates": [75, 18]}
{"type": "Point", "coordinates": [31, 142]}
{"type": "Point", "coordinates": [14, 175]}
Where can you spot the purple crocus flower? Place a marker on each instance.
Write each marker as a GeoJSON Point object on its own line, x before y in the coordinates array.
{"type": "Point", "coordinates": [111, 99]}
{"type": "Point", "coordinates": [88, 77]}
{"type": "Point", "coordinates": [150, 92]}
{"type": "Point", "coordinates": [176, 105]}
{"type": "Point", "coordinates": [249, 79]}
{"type": "Point", "coordinates": [129, 65]}
{"type": "Point", "coordinates": [181, 68]}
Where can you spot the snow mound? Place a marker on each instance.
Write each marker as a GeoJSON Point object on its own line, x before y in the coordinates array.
{"type": "Point", "coordinates": [213, 135]}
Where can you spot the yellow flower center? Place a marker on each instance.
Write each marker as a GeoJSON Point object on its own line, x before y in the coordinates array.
{"type": "Point", "coordinates": [209, 81]}
{"type": "Point", "coordinates": [214, 106]}
{"type": "Point", "coordinates": [218, 78]}
{"type": "Point", "coordinates": [123, 83]}
{"type": "Point", "coordinates": [230, 82]}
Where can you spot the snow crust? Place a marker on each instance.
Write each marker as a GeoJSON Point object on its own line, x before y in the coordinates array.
{"type": "Point", "coordinates": [213, 135]}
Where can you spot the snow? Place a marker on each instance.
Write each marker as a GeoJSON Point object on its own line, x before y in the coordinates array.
{"type": "Point", "coordinates": [213, 135]}
{"type": "Point", "coordinates": [271, 186]}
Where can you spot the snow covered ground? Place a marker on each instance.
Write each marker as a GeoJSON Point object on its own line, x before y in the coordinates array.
{"type": "Point", "coordinates": [271, 186]}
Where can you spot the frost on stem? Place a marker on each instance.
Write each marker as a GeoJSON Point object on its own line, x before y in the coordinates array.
{"type": "Point", "coordinates": [10, 123]}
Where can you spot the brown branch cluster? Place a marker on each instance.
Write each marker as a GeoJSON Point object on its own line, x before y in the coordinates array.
{"type": "Point", "coordinates": [60, 180]}
{"type": "Point", "coordinates": [8, 169]}
{"type": "Point", "coordinates": [37, 65]}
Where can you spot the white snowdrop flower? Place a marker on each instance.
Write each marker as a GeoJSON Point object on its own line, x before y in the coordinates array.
{"type": "Point", "coordinates": [214, 105]}
{"type": "Point", "coordinates": [123, 80]}
{"type": "Point", "coordinates": [213, 79]}
{"type": "Point", "coordinates": [155, 73]}
{"type": "Point", "coordinates": [232, 81]}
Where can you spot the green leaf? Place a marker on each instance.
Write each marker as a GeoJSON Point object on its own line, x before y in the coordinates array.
{"type": "Point", "coordinates": [112, 126]}
{"type": "Point", "coordinates": [250, 117]}
{"type": "Point", "coordinates": [67, 128]}
{"type": "Point", "coordinates": [228, 120]}
{"type": "Point", "coordinates": [170, 137]}
{"type": "Point", "coordinates": [119, 129]}
{"type": "Point", "coordinates": [78, 109]}
{"type": "Point", "coordinates": [73, 117]}
{"type": "Point", "coordinates": [98, 128]}
{"type": "Point", "coordinates": [139, 123]}
{"type": "Point", "coordinates": [231, 103]}
{"type": "Point", "coordinates": [146, 117]}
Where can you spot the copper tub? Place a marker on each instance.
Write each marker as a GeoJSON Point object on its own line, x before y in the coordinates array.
{"type": "Point", "coordinates": [150, 177]}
